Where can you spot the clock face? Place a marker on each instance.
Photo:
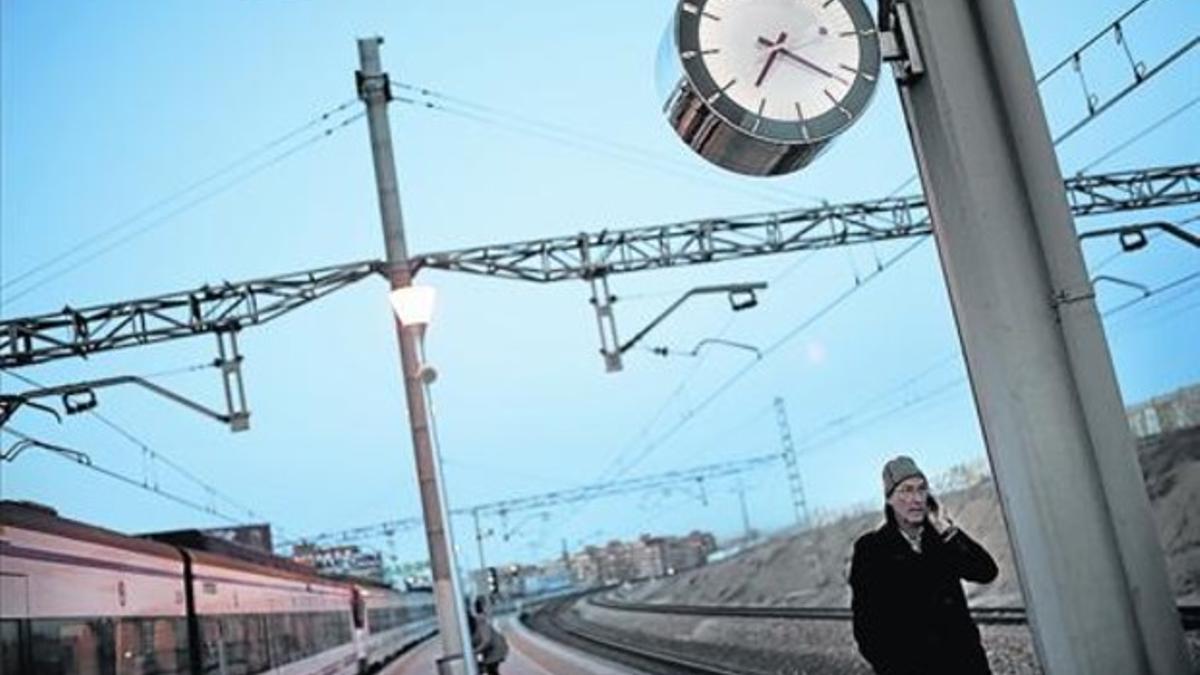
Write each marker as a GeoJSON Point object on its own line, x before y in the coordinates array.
{"type": "Point", "coordinates": [784, 70]}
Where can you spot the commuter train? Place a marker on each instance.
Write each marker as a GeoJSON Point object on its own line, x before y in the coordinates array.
{"type": "Point", "coordinates": [81, 600]}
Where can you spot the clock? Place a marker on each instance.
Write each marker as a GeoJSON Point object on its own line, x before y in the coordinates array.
{"type": "Point", "coordinates": [763, 86]}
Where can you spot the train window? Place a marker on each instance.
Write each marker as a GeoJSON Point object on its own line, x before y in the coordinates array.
{"type": "Point", "coordinates": [72, 647]}
{"type": "Point", "coordinates": [257, 656]}
{"type": "Point", "coordinates": [151, 646]}
{"type": "Point", "coordinates": [10, 647]}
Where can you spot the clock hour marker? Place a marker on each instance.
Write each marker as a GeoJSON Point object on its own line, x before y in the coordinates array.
{"type": "Point", "coordinates": [800, 120]}
{"type": "Point", "coordinates": [854, 33]}
{"type": "Point", "coordinates": [866, 76]}
{"type": "Point", "coordinates": [691, 54]}
{"type": "Point", "coordinates": [690, 8]}
{"type": "Point", "coordinates": [722, 90]}
{"type": "Point", "coordinates": [837, 104]}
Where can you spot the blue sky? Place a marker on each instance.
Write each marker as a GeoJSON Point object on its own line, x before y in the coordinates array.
{"type": "Point", "coordinates": [108, 108]}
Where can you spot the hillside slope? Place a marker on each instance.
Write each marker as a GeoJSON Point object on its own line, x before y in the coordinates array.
{"type": "Point", "coordinates": [809, 568]}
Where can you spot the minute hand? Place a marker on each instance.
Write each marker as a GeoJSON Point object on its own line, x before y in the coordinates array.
{"type": "Point", "coordinates": [788, 53]}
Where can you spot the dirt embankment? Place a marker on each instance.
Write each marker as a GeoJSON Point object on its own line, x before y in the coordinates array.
{"type": "Point", "coordinates": [809, 568]}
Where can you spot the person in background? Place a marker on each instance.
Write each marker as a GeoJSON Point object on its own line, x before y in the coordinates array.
{"type": "Point", "coordinates": [910, 613]}
{"type": "Point", "coordinates": [491, 648]}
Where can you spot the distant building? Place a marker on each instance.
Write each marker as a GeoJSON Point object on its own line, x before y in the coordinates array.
{"type": "Point", "coordinates": [348, 561]}
{"type": "Point", "coordinates": [643, 558]}
{"type": "Point", "coordinates": [1177, 410]}
{"type": "Point", "coordinates": [257, 537]}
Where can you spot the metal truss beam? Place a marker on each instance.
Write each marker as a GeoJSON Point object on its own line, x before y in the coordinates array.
{"type": "Point", "coordinates": [228, 307]}
{"type": "Point", "coordinates": [231, 306]}
{"type": "Point", "coordinates": [557, 498]}
{"type": "Point", "coordinates": [586, 256]}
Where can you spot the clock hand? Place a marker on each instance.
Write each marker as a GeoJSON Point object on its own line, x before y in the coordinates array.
{"type": "Point", "coordinates": [775, 49]}
{"type": "Point", "coordinates": [786, 52]}
{"type": "Point", "coordinates": [766, 66]}
{"type": "Point", "coordinates": [765, 42]}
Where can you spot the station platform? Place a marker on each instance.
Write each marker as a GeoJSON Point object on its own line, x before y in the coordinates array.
{"type": "Point", "coordinates": [529, 654]}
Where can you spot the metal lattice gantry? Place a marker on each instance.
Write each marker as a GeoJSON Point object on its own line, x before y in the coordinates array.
{"type": "Point", "coordinates": [223, 308]}
{"type": "Point", "coordinates": [606, 252]}
{"type": "Point", "coordinates": [505, 507]}
{"type": "Point", "coordinates": [231, 306]}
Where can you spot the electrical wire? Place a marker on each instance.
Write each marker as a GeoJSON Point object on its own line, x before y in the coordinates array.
{"type": "Point", "coordinates": [492, 114]}
{"type": "Point", "coordinates": [617, 153]}
{"type": "Point", "coordinates": [116, 475]}
{"type": "Point", "coordinates": [178, 194]}
{"type": "Point", "coordinates": [1050, 73]}
{"type": "Point", "coordinates": [44, 274]}
{"type": "Point", "coordinates": [720, 390]}
{"type": "Point", "coordinates": [155, 455]}
{"type": "Point", "coordinates": [1151, 128]}
{"type": "Point", "coordinates": [1184, 280]}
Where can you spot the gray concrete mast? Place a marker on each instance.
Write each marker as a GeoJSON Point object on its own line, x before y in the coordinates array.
{"type": "Point", "coordinates": [1091, 566]}
{"type": "Point", "coordinates": [452, 625]}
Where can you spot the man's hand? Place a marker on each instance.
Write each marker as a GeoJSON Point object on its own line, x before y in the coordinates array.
{"type": "Point", "coordinates": [942, 523]}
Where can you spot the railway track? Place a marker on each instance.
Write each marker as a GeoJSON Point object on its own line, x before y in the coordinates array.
{"type": "Point", "coordinates": [551, 621]}
{"type": "Point", "coordinates": [651, 655]}
{"type": "Point", "coordinates": [1189, 614]}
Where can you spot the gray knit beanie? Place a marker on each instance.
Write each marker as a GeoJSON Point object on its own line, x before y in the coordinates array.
{"type": "Point", "coordinates": [899, 469]}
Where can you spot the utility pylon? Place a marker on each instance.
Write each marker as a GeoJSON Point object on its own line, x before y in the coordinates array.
{"type": "Point", "coordinates": [793, 467]}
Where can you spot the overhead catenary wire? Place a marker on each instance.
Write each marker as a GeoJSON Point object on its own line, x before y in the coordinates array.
{"type": "Point", "coordinates": [178, 194]}
{"type": "Point", "coordinates": [45, 273]}
{"type": "Point", "coordinates": [1143, 133]}
{"type": "Point", "coordinates": [156, 455]}
{"type": "Point", "coordinates": [729, 382]}
{"type": "Point", "coordinates": [617, 152]}
{"type": "Point", "coordinates": [1071, 58]}
{"type": "Point", "coordinates": [116, 475]}
{"type": "Point", "coordinates": [1181, 281]}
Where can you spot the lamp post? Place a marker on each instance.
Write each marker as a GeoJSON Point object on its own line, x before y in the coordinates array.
{"type": "Point", "coordinates": [414, 307]}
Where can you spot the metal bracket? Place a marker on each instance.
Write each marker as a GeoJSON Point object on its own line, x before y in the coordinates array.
{"type": "Point", "coordinates": [80, 397]}
{"type": "Point", "coordinates": [364, 85]}
{"type": "Point", "coordinates": [602, 300]}
{"type": "Point", "coordinates": [231, 378]}
{"type": "Point", "coordinates": [1068, 296]}
{"type": "Point", "coordinates": [898, 41]}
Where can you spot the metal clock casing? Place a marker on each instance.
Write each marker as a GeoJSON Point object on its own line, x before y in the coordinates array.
{"type": "Point", "coordinates": [712, 117]}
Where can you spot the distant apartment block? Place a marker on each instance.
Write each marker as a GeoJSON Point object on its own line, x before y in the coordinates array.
{"type": "Point", "coordinates": [1177, 410]}
{"type": "Point", "coordinates": [644, 558]}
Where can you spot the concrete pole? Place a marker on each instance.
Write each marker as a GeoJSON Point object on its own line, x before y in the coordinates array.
{"type": "Point", "coordinates": [452, 624]}
{"type": "Point", "coordinates": [481, 590]}
{"type": "Point", "coordinates": [741, 491]}
{"type": "Point", "coordinates": [1091, 566]}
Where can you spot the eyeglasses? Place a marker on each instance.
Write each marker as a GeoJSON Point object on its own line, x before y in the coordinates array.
{"type": "Point", "coordinates": [911, 490]}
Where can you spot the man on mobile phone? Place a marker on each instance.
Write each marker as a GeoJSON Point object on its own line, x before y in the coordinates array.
{"type": "Point", "coordinates": [910, 614]}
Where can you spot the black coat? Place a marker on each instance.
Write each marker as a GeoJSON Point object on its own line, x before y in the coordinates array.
{"type": "Point", "coordinates": [910, 614]}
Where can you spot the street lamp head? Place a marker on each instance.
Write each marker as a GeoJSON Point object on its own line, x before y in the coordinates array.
{"type": "Point", "coordinates": [413, 305]}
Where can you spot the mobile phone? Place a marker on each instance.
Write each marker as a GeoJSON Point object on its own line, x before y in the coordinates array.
{"type": "Point", "coordinates": [932, 504]}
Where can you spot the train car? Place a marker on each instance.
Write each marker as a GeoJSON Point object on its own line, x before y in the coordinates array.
{"type": "Point", "coordinates": [76, 599]}
{"type": "Point", "coordinates": [254, 618]}
{"type": "Point", "coordinates": [81, 600]}
{"type": "Point", "coordinates": [394, 621]}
